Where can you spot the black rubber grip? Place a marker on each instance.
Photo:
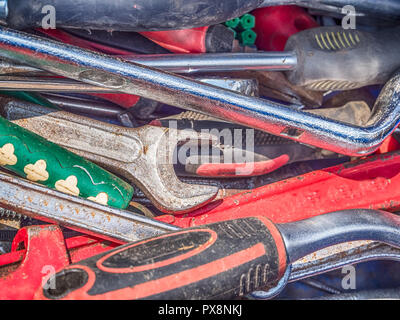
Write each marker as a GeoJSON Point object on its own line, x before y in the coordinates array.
{"type": "Point", "coordinates": [332, 58]}
{"type": "Point", "coordinates": [128, 15]}
{"type": "Point", "coordinates": [217, 261]}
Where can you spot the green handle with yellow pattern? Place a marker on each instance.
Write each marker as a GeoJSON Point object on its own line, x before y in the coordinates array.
{"type": "Point", "coordinates": [39, 160]}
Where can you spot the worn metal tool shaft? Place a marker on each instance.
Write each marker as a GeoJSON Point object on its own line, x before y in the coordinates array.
{"type": "Point", "coordinates": [102, 70]}
{"type": "Point", "coordinates": [193, 63]}
{"type": "Point", "coordinates": [79, 214]}
{"type": "Point", "coordinates": [62, 85]}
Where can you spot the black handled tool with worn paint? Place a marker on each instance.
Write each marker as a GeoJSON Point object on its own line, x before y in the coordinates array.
{"type": "Point", "coordinates": [39, 160]}
{"type": "Point", "coordinates": [331, 58]}
{"type": "Point", "coordinates": [124, 15]}
{"type": "Point", "coordinates": [217, 261]}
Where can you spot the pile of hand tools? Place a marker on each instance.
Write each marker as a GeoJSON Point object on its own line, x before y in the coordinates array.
{"type": "Point", "coordinates": [185, 150]}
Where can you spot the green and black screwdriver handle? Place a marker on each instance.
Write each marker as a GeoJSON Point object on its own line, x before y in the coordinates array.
{"type": "Point", "coordinates": [332, 58]}
{"type": "Point", "coordinates": [41, 161]}
{"type": "Point", "coordinates": [223, 260]}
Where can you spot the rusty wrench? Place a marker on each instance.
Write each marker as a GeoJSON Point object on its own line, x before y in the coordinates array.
{"type": "Point", "coordinates": [106, 71]}
{"type": "Point", "coordinates": [36, 201]}
{"type": "Point", "coordinates": [142, 155]}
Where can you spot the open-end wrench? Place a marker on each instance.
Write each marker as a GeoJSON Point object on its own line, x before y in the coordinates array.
{"type": "Point", "coordinates": [106, 71]}
{"type": "Point", "coordinates": [218, 261]}
{"type": "Point", "coordinates": [142, 155]}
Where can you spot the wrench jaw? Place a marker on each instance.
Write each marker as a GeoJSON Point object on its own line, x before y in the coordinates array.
{"type": "Point", "coordinates": [154, 171]}
{"type": "Point", "coordinates": [143, 155]}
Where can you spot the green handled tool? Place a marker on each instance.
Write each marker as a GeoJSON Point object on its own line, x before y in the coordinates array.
{"type": "Point", "coordinates": [39, 160]}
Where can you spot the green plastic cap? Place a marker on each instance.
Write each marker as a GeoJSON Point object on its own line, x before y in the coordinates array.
{"type": "Point", "coordinates": [233, 23]}
{"type": "Point", "coordinates": [247, 37]}
{"type": "Point", "coordinates": [247, 21]}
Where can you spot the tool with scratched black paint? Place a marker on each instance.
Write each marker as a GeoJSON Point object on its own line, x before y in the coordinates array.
{"type": "Point", "coordinates": [217, 261]}
{"type": "Point", "coordinates": [142, 15]}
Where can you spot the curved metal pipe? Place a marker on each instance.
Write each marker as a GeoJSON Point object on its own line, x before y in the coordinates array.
{"type": "Point", "coordinates": [316, 266]}
{"type": "Point", "coordinates": [278, 119]}
{"type": "Point", "coordinates": [307, 236]}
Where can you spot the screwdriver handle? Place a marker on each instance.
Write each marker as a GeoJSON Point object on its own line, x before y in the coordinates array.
{"type": "Point", "coordinates": [212, 39]}
{"type": "Point", "coordinates": [332, 58]}
{"type": "Point", "coordinates": [36, 159]}
{"type": "Point", "coordinates": [219, 261]}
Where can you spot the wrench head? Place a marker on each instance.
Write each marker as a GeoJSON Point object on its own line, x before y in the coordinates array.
{"type": "Point", "coordinates": [153, 170]}
{"type": "Point", "coordinates": [142, 155]}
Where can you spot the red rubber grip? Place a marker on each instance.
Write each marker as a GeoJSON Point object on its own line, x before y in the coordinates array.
{"type": "Point", "coordinates": [180, 41]}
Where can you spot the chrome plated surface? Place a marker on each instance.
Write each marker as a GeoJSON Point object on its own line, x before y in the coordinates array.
{"type": "Point", "coordinates": [310, 235]}
{"type": "Point", "coordinates": [218, 62]}
{"type": "Point", "coordinates": [106, 71]}
{"type": "Point", "coordinates": [40, 84]}
{"type": "Point", "coordinates": [36, 201]}
{"type": "Point", "coordinates": [338, 257]}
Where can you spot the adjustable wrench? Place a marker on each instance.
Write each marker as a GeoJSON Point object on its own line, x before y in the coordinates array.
{"type": "Point", "coordinates": [142, 155]}
{"type": "Point", "coordinates": [106, 71]}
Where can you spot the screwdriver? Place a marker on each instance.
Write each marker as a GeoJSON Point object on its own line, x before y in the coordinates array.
{"type": "Point", "coordinates": [321, 59]}
{"type": "Point", "coordinates": [217, 261]}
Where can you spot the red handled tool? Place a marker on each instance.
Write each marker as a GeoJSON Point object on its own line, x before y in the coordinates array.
{"type": "Point", "coordinates": [223, 260]}
{"type": "Point", "coordinates": [45, 251]}
{"type": "Point", "coordinates": [371, 183]}
{"type": "Point", "coordinates": [212, 39]}
{"type": "Point", "coordinates": [275, 25]}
